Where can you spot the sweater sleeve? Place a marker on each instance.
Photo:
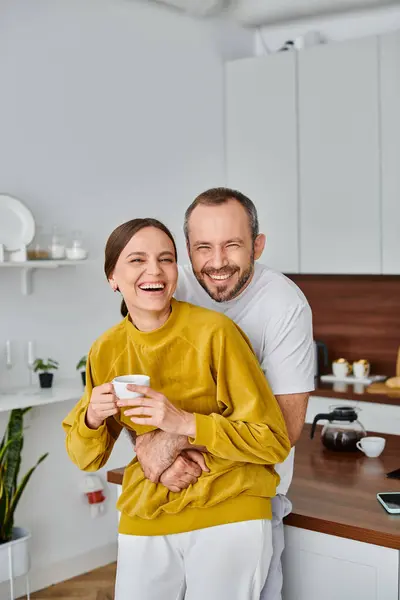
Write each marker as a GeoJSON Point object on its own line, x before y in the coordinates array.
{"type": "Point", "coordinates": [89, 448]}
{"type": "Point", "coordinates": [250, 427]}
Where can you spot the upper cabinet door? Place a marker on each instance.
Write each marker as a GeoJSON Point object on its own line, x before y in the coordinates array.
{"type": "Point", "coordinates": [390, 103]}
{"type": "Point", "coordinates": [339, 158]}
{"type": "Point", "coordinates": [261, 149]}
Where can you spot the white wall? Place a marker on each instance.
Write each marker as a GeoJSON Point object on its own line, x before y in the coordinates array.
{"type": "Point", "coordinates": [108, 110]}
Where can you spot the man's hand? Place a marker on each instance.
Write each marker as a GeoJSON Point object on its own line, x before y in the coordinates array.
{"type": "Point", "coordinates": [157, 450]}
{"type": "Point", "coordinates": [185, 471]}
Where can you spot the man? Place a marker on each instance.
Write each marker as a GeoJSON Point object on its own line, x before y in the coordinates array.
{"type": "Point", "coordinates": [223, 242]}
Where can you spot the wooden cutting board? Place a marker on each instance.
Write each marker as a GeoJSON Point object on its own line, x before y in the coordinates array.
{"type": "Point", "coordinates": [398, 364]}
{"type": "Point", "coordinates": [382, 388]}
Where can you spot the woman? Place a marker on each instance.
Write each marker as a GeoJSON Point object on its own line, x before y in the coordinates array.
{"type": "Point", "coordinates": [213, 539]}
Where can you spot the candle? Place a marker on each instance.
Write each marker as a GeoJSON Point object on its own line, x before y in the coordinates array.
{"type": "Point", "coordinates": [31, 355]}
{"type": "Point", "coordinates": [8, 354]}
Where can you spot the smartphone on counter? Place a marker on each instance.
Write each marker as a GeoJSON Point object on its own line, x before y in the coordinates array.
{"type": "Point", "coordinates": [390, 502]}
{"type": "Point", "coordinates": [394, 474]}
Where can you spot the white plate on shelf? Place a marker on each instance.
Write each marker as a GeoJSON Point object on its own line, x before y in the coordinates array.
{"type": "Point", "coordinates": [351, 379]}
{"type": "Point", "coordinates": [17, 225]}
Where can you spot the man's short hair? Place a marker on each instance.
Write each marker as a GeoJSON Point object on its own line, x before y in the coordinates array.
{"type": "Point", "coordinates": [221, 195]}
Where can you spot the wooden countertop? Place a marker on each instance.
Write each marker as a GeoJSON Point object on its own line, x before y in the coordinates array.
{"type": "Point", "coordinates": [348, 391]}
{"type": "Point", "coordinates": [335, 493]}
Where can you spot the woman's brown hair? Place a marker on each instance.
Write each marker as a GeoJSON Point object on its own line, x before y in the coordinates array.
{"type": "Point", "coordinates": [119, 239]}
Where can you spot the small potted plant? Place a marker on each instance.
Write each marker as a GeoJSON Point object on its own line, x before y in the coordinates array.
{"type": "Point", "coordinates": [43, 366]}
{"type": "Point", "coordinates": [14, 541]}
{"type": "Point", "coordinates": [81, 366]}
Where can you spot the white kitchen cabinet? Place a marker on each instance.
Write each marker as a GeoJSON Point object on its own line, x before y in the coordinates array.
{"type": "Point", "coordinates": [339, 158]}
{"type": "Point", "coordinates": [261, 149]}
{"type": "Point", "coordinates": [390, 139]}
{"type": "Point", "coordinates": [316, 565]}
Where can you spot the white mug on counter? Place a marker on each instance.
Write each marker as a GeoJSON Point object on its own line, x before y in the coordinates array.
{"type": "Point", "coordinates": [371, 446]}
{"type": "Point", "coordinates": [361, 368]}
{"type": "Point", "coordinates": [120, 385]}
{"type": "Point", "coordinates": [341, 368]}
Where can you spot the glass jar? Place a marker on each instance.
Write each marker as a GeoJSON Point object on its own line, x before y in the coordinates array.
{"type": "Point", "coordinates": [38, 249]}
{"type": "Point", "coordinates": [57, 245]}
{"type": "Point", "coordinates": [76, 249]}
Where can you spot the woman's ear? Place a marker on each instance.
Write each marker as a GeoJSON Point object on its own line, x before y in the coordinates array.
{"type": "Point", "coordinates": [113, 285]}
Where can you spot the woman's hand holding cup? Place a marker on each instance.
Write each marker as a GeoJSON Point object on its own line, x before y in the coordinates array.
{"type": "Point", "coordinates": [101, 406]}
{"type": "Point", "coordinates": [153, 408]}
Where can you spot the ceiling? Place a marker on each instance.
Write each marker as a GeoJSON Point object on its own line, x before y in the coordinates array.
{"type": "Point", "coordinates": [264, 12]}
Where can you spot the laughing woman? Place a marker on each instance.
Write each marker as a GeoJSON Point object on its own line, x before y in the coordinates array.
{"type": "Point", "coordinates": [213, 539]}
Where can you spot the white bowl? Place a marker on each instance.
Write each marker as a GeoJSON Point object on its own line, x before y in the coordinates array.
{"type": "Point", "coordinates": [76, 253]}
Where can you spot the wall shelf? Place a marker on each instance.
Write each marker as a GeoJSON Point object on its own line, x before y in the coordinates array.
{"type": "Point", "coordinates": [28, 268]}
{"type": "Point", "coordinates": [62, 391]}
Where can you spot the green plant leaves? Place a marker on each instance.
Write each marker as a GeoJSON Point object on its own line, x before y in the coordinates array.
{"type": "Point", "coordinates": [15, 435]}
{"type": "Point", "coordinates": [10, 462]}
{"type": "Point", "coordinates": [82, 363]}
{"type": "Point", "coordinates": [44, 366]}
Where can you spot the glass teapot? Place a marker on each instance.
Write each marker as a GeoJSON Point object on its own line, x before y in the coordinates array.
{"type": "Point", "coordinates": [343, 430]}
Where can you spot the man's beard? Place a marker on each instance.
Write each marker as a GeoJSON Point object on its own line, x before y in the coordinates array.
{"type": "Point", "coordinates": [223, 293]}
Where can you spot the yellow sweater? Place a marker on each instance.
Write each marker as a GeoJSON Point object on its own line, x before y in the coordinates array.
{"type": "Point", "coordinates": [202, 362]}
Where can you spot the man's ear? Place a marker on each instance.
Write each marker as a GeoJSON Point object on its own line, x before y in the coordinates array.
{"type": "Point", "coordinates": [259, 245]}
{"type": "Point", "coordinates": [188, 248]}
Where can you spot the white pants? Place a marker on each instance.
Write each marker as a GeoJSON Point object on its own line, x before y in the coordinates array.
{"type": "Point", "coordinates": [227, 562]}
{"type": "Point", "coordinates": [281, 507]}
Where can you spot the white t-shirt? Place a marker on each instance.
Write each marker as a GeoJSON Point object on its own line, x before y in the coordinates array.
{"type": "Point", "coordinates": [276, 317]}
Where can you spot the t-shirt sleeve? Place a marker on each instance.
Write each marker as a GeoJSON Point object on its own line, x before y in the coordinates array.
{"type": "Point", "coordinates": [288, 355]}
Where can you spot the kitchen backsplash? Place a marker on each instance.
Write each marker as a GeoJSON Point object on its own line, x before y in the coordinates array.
{"type": "Point", "coordinates": [357, 316]}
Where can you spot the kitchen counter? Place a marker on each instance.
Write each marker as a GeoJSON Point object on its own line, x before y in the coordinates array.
{"type": "Point", "coordinates": [62, 391]}
{"type": "Point", "coordinates": [348, 391]}
{"type": "Point", "coordinates": [335, 493]}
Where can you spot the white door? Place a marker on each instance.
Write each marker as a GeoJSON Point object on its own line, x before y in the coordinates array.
{"type": "Point", "coordinates": [261, 149]}
{"type": "Point", "coordinates": [390, 103]}
{"type": "Point", "coordinates": [339, 158]}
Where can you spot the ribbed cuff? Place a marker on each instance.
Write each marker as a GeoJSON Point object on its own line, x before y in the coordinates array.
{"type": "Point", "coordinates": [203, 430]}
{"type": "Point", "coordinates": [86, 432]}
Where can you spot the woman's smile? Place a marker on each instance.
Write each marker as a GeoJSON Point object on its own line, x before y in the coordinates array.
{"type": "Point", "coordinates": [153, 288]}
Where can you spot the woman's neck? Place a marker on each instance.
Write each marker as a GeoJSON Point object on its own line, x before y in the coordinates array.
{"type": "Point", "coordinates": [147, 320]}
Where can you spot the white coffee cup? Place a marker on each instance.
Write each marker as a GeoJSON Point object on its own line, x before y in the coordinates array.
{"type": "Point", "coordinates": [361, 369]}
{"type": "Point", "coordinates": [120, 385]}
{"type": "Point", "coordinates": [371, 446]}
{"type": "Point", "coordinates": [340, 368]}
